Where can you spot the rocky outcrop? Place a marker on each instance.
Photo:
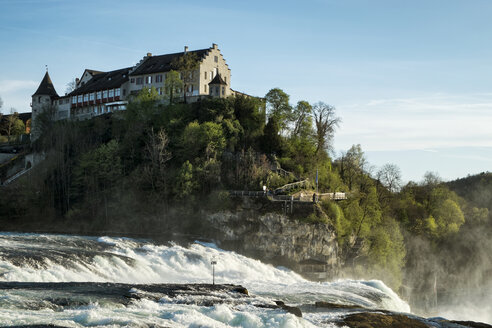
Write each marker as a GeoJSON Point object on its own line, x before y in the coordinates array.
{"type": "Point", "coordinates": [275, 238]}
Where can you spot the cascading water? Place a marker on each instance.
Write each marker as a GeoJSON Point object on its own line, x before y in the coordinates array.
{"type": "Point", "coordinates": [41, 283]}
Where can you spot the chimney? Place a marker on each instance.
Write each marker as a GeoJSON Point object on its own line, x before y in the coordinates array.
{"type": "Point", "coordinates": [186, 49]}
{"type": "Point", "coordinates": [214, 46]}
{"type": "Point", "coordinates": [149, 54]}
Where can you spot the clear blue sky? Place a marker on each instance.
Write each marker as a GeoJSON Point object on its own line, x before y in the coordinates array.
{"type": "Point", "coordinates": [411, 80]}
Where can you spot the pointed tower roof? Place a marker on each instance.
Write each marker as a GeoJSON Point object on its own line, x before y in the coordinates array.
{"type": "Point", "coordinates": [46, 88]}
{"type": "Point", "coordinates": [218, 80]}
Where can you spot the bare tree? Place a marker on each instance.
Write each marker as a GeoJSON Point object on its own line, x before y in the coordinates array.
{"type": "Point", "coordinates": [71, 86]}
{"type": "Point", "coordinates": [1, 102]}
{"type": "Point", "coordinates": [390, 177]}
{"type": "Point", "coordinates": [157, 152]}
{"type": "Point", "coordinates": [326, 122]}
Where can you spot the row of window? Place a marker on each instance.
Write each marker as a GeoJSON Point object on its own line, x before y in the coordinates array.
{"type": "Point", "coordinates": [148, 79]}
{"type": "Point", "coordinates": [97, 110]}
{"type": "Point", "coordinates": [62, 101]}
{"type": "Point", "coordinates": [160, 77]}
{"type": "Point", "coordinates": [111, 93]}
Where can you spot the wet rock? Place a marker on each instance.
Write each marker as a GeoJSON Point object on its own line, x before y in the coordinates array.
{"type": "Point", "coordinates": [241, 290]}
{"type": "Point", "coordinates": [472, 324]}
{"type": "Point", "coordinates": [291, 309]}
{"type": "Point", "coordinates": [380, 320]}
{"type": "Point", "coordinates": [328, 305]}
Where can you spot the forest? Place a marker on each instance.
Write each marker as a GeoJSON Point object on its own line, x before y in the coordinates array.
{"type": "Point", "coordinates": [123, 170]}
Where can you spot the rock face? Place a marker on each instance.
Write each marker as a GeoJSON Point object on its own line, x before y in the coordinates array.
{"type": "Point", "coordinates": [276, 238]}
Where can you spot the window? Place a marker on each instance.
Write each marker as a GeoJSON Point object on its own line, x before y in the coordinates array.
{"type": "Point", "coordinates": [211, 75]}
{"type": "Point", "coordinates": [74, 99]}
{"type": "Point", "coordinates": [117, 92]}
{"type": "Point", "coordinates": [223, 90]}
{"type": "Point", "coordinates": [99, 95]}
{"type": "Point", "coordinates": [216, 59]}
{"type": "Point", "coordinates": [79, 99]}
{"type": "Point", "coordinates": [124, 92]}
{"type": "Point", "coordinates": [105, 94]}
{"type": "Point", "coordinates": [132, 80]}
{"type": "Point", "coordinates": [91, 96]}
{"type": "Point", "coordinates": [158, 78]}
{"type": "Point", "coordinates": [205, 88]}
{"type": "Point", "coordinates": [111, 93]}
{"type": "Point", "coordinates": [148, 80]}
{"type": "Point", "coordinates": [225, 79]}
{"type": "Point", "coordinates": [205, 75]}
{"type": "Point", "coordinates": [159, 90]}
{"type": "Point", "coordinates": [86, 97]}
{"type": "Point", "coordinates": [139, 80]}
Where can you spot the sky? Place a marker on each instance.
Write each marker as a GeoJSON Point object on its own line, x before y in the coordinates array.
{"type": "Point", "coordinates": [411, 80]}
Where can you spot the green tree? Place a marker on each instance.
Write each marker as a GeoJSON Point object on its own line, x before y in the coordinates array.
{"type": "Point", "coordinates": [352, 166]}
{"type": "Point", "coordinates": [448, 217]}
{"type": "Point", "coordinates": [185, 184]}
{"type": "Point", "coordinates": [97, 174]}
{"type": "Point", "coordinates": [172, 85]}
{"type": "Point", "coordinates": [187, 64]}
{"type": "Point", "coordinates": [250, 112]}
{"type": "Point", "coordinates": [13, 125]}
{"type": "Point", "coordinates": [278, 108]}
{"type": "Point", "coordinates": [203, 139]}
{"type": "Point", "coordinates": [271, 142]}
{"type": "Point", "coordinates": [302, 118]}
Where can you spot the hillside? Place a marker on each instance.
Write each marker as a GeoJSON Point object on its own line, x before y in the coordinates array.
{"type": "Point", "coordinates": [167, 171]}
{"type": "Point", "coordinates": [477, 189]}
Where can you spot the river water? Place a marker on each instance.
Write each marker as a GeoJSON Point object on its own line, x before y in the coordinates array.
{"type": "Point", "coordinates": [75, 281]}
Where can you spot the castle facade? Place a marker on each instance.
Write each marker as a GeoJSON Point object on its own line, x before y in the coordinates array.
{"type": "Point", "coordinates": [98, 92]}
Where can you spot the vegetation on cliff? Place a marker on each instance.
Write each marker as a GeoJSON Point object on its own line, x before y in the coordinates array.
{"type": "Point", "coordinates": [129, 170]}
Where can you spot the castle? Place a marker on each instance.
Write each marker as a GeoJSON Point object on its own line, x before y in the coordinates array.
{"type": "Point", "coordinates": [99, 92]}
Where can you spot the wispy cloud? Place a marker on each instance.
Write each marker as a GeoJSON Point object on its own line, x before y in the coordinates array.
{"type": "Point", "coordinates": [418, 123]}
{"type": "Point", "coordinates": [10, 86]}
{"type": "Point", "coordinates": [16, 94]}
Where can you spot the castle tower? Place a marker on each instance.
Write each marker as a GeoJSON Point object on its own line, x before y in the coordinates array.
{"type": "Point", "coordinates": [41, 99]}
{"type": "Point", "coordinates": [218, 87]}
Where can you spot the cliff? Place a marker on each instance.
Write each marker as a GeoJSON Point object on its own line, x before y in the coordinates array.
{"type": "Point", "coordinates": [308, 248]}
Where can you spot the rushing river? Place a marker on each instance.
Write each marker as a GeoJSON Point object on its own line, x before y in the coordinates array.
{"type": "Point", "coordinates": [73, 281]}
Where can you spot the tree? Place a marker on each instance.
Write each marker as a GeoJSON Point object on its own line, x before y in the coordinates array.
{"type": "Point", "coordinates": [301, 117]}
{"type": "Point", "coordinates": [71, 86]}
{"type": "Point", "coordinates": [352, 165]}
{"type": "Point", "coordinates": [13, 125]}
{"type": "Point", "coordinates": [157, 153]}
{"type": "Point", "coordinates": [172, 85]}
{"type": "Point", "coordinates": [184, 184]}
{"type": "Point", "coordinates": [186, 64]}
{"type": "Point", "coordinates": [326, 122]}
{"type": "Point", "coordinates": [278, 107]}
{"type": "Point", "coordinates": [250, 113]}
{"type": "Point", "coordinates": [390, 177]}
{"type": "Point", "coordinates": [1, 103]}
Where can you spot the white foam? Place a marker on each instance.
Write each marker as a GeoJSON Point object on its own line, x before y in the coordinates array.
{"type": "Point", "coordinates": [129, 261]}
